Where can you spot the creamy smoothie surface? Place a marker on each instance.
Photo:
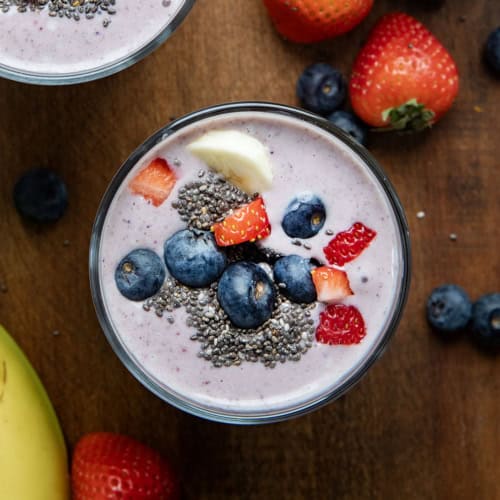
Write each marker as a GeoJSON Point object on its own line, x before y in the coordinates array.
{"type": "Point", "coordinates": [303, 158]}
{"type": "Point", "coordinates": [46, 41]}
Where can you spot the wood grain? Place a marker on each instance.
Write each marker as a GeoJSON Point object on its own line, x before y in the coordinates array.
{"type": "Point", "coordinates": [423, 424]}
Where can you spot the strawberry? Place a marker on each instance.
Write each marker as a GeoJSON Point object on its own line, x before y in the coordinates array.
{"type": "Point", "coordinates": [340, 324]}
{"type": "Point", "coordinates": [347, 245]}
{"type": "Point", "coordinates": [155, 182]}
{"type": "Point", "coordinates": [113, 466]}
{"type": "Point", "coordinates": [403, 78]}
{"type": "Point", "coordinates": [308, 21]}
{"type": "Point", "coordinates": [331, 284]}
{"type": "Point", "coordinates": [248, 223]}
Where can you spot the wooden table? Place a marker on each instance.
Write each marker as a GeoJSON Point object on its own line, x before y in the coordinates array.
{"type": "Point", "coordinates": [424, 423]}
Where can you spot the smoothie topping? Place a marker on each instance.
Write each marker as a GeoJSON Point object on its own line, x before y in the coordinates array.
{"type": "Point", "coordinates": [340, 324]}
{"type": "Point", "coordinates": [304, 216]}
{"type": "Point", "coordinates": [155, 182]}
{"type": "Point", "coordinates": [248, 223]}
{"type": "Point", "coordinates": [239, 157]}
{"type": "Point", "coordinates": [70, 9]}
{"type": "Point", "coordinates": [347, 245]}
{"type": "Point", "coordinates": [331, 284]}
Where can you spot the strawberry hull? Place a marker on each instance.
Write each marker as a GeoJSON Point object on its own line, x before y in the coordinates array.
{"type": "Point", "coordinates": [160, 352]}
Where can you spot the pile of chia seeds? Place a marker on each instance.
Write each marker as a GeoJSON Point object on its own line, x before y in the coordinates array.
{"type": "Point", "coordinates": [203, 203]}
{"type": "Point", "coordinates": [71, 9]}
{"type": "Point", "coordinates": [286, 336]}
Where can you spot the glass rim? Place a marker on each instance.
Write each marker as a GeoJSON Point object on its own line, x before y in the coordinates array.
{"type": "Point", "coordinates": [233, 417]}
{"type": "Point", "coordinates": [108, 69]}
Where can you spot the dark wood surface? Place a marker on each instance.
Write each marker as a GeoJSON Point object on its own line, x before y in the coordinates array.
{"type": "Point", "coordinates": [424, 422]}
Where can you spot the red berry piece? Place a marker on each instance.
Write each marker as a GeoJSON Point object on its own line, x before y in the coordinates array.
{"type": "Point", "coordinates": [340, 324]}
{"type": "Point", "coordinates": [155, 182]}
{"type": "Point", "coordinates": [347, 245]}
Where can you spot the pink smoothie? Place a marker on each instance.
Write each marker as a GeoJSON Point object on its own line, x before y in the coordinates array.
{"type": "Point", "coordinates": [34, 42]}
{"type": "Point", "coordinates": [304, 157]}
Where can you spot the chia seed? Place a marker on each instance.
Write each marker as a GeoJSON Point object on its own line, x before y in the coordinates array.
{"type": "Point", "coordinates": [203, 203]}
{"type": "Point", "coordinates": [286, 336]}
{"type": "Point", "coordinates": [71, 9]}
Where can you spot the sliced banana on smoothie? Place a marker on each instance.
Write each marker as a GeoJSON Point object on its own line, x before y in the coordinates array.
{"type": "Point", "coordinates": [239, 157]}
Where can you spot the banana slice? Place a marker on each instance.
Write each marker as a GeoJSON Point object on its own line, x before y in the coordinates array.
{"type": "Point", "coordinates": [240, 158]}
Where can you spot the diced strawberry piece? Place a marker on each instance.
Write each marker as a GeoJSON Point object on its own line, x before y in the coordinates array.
{"type": "Point", "coordinates": [248, 223]}
{"type": "Point", "coordinates": [347, 245]}
{"type": "Point", "coordinates": [331, 284]}
{"type": "Point", "coordinates": [155, 182]}
{"type": "Point", "coordinates": [340, 324]}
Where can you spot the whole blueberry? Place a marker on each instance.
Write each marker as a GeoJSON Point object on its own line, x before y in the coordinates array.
{"type": "Point", "coordinates": [448, 309]}
{"type": "Point", "coordinates": [193, 258]}
{"type": "Point", "coordinates": [41, 195]}
{"type": "Point", "coordinates": [321, 88]}
{"type": "Point", "coordinates": [350, 124]}
{"type": "Point", "coordinates": [492, 51]}
{"type": "Point", "coordinates": [294, 272]}
{"type": "Point", "coordinates": [304, 216]}
{"type": "Point", "coordinates": [246, 293]}
{"type": "Point", "coordinates": [140, 274]}
{"type": "Point", "coordinates": [486, 320]}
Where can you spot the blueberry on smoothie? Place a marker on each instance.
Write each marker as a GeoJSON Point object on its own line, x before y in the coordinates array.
{"type": "Point", "coordinates": [321, 88]}
{"type": "Point", "coordinates": [140, 274]}
{"type": "Point", "coordinates": [448, 309]}
{"type": "Point", "coordinates": [41, 195]}
{"type": "Point", "coordinates": [293, 275]}
{"type": "Point", "coordinates": [193, 258]}
{"type": "Point", "coordinates": [492, 51]}
{"type": "Point", "coordinates": [486, 320]}
{"type": "Point", "coordinates": [247, 295]}
{"type": "Point", "coordinates": [304, 216]}
{"type": "Point", "coordinates": [351, 125]}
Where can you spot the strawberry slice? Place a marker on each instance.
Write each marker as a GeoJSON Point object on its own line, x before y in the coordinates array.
{"type": "Point", "coordinates": [248, 223]}
{"type": "Point", "coordinates": [331, 284]}
{"type": "Point", "coordinates": [347, 245]}
{"type": "Point", "coordinates": [155, 182]}
{"type": "Point", "coordinates": [340, 324]}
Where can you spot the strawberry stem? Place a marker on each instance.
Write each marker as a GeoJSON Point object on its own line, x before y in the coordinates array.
{"type": "Point", "coordinates": [409, 116]}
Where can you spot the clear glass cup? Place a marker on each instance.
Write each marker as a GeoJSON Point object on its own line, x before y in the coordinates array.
{"type": "Point", "coordinates": [108, 69]}
{"type": "Point", "coordinates": [348, 380]}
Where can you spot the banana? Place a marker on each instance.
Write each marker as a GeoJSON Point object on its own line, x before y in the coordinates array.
{"type": "Point", "coordinates": [240, 158]}
{"type": "Point", "coordinates": [33, 458]}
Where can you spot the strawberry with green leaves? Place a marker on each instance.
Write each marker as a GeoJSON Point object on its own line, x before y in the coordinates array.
{"type": "Point", "coordinates": [308, 21]}
{"type": "Point", "coordinates": [403, 78]}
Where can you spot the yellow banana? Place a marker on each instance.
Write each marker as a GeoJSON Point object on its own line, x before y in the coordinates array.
{"type": "Point", "coordinates": [33, 458]}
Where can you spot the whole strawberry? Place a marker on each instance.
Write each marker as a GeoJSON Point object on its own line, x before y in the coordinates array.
{"type": "Point", "coordinates": [403, 78]}
{"type": "Point", "coordinates": [113, 466]}
{"type": "Point", "coordinates": [308, 21]}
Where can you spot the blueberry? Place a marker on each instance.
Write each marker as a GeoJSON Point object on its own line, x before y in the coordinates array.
{"type": "Point", "coordinates": [41, 195]}
{"type": "Point", "coordinates": [140, 274]}
{"type": "Point", "coordinates": [295, 273]}
{"type": "Point", "coordinates": [448, 308]}
{"type": "Point", "coordinates": [492, 51]}
{"type": "Point", "coordinates": [350, 124]}
{"type": "Point", "coordinates": [247, 295]}
{"type": "Point", "coordinates": [321, 88]}
{"type": "Point", "coordinates": [304, 216]}
{"type": "Point", "coordinates": [193, 258]}
{"type": "Point", "coordinates": [486, 320]}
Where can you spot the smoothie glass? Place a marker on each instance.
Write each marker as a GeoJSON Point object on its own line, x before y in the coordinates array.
{"type": "Point", "coordinates": [84, 50]}
{"type": "Point", "coordinates": [358, 368]}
